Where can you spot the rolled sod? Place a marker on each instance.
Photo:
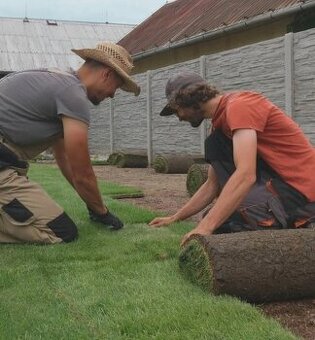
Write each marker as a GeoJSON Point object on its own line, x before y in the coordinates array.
{"type": "Point", "coordinates": [196, 176]}
{"type": "Point", "coordinates": [172, 164]}
{"type": "Point", "coordinates": [131, 160]}
{"type": "Point", "coordinates": [112, 158]}
{"type": "Point", "coordinates": [128, 160]}
{"type": "Point", "coordinates": [256, 266]}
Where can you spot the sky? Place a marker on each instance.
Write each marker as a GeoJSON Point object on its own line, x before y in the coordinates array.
{"type": "Point", "coordinates": [113, 11]}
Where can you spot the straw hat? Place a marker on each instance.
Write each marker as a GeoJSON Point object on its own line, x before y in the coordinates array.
{"type": "Point", "coordinates": [116, 57]}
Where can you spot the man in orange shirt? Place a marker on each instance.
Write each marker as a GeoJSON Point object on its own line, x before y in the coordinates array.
{"type": "Point", "coordinates": [262, 165]}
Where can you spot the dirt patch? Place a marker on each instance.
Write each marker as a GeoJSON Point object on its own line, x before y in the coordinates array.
{"type": "Point", "coordinates": [164, 193]}
{"type": "Point", "coordinates": [167, 193]}
{"type": "Point", "coordinates": [298, 316]}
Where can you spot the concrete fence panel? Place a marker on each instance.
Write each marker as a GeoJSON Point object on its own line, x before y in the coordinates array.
{"type": "Point", "coordinates": [283, 69]}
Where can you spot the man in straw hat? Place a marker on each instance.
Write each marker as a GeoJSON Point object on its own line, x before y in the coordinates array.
{"type": "Point", "coordinates": [49, 108]}
{"type": "Point", "coordinates": [261, 164]}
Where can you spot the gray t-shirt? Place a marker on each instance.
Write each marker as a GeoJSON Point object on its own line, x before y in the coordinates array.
{"type": "Point", "coordinates": [32, 102]}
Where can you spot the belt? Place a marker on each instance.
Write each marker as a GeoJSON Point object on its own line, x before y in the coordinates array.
{"type": "Point", "coordinates": [8, 158]}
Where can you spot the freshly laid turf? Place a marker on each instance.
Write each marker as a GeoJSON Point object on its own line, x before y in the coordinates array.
{"type": "Point", "coordinates": [114, 285]}
{"type": "Point", "coordinates": [47, 174]}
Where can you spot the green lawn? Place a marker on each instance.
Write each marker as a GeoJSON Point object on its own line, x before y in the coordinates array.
{"type": "Point", "coordinates": [114, 285]}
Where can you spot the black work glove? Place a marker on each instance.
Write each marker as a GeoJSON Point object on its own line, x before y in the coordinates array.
{"type": "Point", "coordinates": [107, 219]}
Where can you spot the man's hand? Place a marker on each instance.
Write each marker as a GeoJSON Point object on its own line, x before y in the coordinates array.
{"type": "Point", "coordinates": [162, 221]}
{"type": "Point", "coordinates": [202, 229]}
{"type": "Point", "coordinates": [107, 219]}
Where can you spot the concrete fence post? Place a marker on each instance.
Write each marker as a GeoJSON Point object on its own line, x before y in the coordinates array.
{"type": "Point", "coordinates": [149, 118]}
{"type": "Point", "coordinates": [289, 73]}
{"type": "Point", "coordinates": [203, 126]}
{"type": "Point", "coordinates": [111, 124]}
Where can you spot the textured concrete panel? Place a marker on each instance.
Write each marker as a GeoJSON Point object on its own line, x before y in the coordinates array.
{"type": "Point", "coordinates": [259, 67]}
{"type": "Point", "coordinates": [304, 82]}
{"type": "Point", "coordinates": [99, 132]}
{"type": "Point", "coordinates": [169, 135]}
{"type": "Point", "coordinates": [130, 119]}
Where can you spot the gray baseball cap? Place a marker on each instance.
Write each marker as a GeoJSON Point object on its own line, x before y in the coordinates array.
{"type": "Point", "coordinates": [178, 82]}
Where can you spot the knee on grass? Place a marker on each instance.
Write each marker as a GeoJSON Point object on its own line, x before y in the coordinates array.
{"type": "Point", "coordinates": [64, 228]}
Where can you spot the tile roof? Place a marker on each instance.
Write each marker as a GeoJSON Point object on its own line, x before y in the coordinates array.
{"type": "Point", "coordinates": [181, 19]}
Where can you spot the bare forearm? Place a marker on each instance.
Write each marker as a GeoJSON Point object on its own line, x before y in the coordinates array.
{"type": "Point", "coordinates": [62, 160]}
{"type": "Point", "coordinates": [229, 200]}
{"type": "Point", "coordinates": [65, 169]}
{"type": "Point", "coordinates": [86, 187]}
{"type": "Point", "coordinates": [199, 201]}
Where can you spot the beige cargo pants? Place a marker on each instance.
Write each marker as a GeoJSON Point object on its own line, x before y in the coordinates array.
{"type": "Point", "coordinates": [28, 214]}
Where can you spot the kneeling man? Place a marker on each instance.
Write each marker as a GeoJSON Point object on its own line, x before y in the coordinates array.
{"type": "Point", "coordinates": [262, 166]}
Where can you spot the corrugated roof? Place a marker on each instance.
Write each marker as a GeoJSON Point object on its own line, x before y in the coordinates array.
{"type": "Point", "coordinates": [35, 44]}
{"type": "Point", "coordinates": [186, 18]}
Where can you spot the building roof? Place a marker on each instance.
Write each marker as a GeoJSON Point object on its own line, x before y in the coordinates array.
{"type": "Point", "coordinates": [37, 43]}
{"type": "Point", "coordinates": [183, 19]}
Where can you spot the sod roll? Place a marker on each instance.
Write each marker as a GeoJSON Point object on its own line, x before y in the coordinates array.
{"type": "Point", "coordinates": [172, 164]}
{"type": "Point", "coordinates": [131, 160]}
{"type": "Point", "coordinates": [128, 160]}
{"type": "Point", "coordinates": [199, 159]}
{"type": "Point", "coordinates": [112, 158]}
{"type": "Point", "coordinates": [196, 176]}
{"type": "Point", "coordinates": [256, 266]}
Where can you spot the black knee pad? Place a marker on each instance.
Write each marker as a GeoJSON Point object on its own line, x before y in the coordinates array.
{"type": "Point", "coordinates": [64, 227]}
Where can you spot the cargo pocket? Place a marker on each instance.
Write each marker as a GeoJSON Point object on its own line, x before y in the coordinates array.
{"type": "Point", "coordinates": [278, 211]}
{"type": "Point", "coordinates": [262, 208]}
{"type": "Point", "coordinates": [258, 216]}
{"type": "Point", "coordinates": [17, 213]}
{"type": "Point", "coordinates": [303, 216]}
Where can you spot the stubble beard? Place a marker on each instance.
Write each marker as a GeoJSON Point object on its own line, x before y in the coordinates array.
{"type": "Point", "coordinates": [196, 124]}
{"type": "Point", "coordinates": [95, 101]}
{"type": "Point", "coordinates": [199, 117]}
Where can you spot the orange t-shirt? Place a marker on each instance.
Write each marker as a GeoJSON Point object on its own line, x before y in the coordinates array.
{"type": "Point", "coordinates": [280, 141]}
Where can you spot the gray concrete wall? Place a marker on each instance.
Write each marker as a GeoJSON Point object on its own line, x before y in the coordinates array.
{"type": "Point", "coordinates": [304, 81]}
{"type": "Point", "coordinates": [169, 135]}
{"type": "Point", "coordinates": [258, 67]}
{"type": "Point", "coordinates": [130, 119]}
{"type": "Point", "coordinates": [99, 134]}
{"type": "Point", "coordinates": [284, 72]}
